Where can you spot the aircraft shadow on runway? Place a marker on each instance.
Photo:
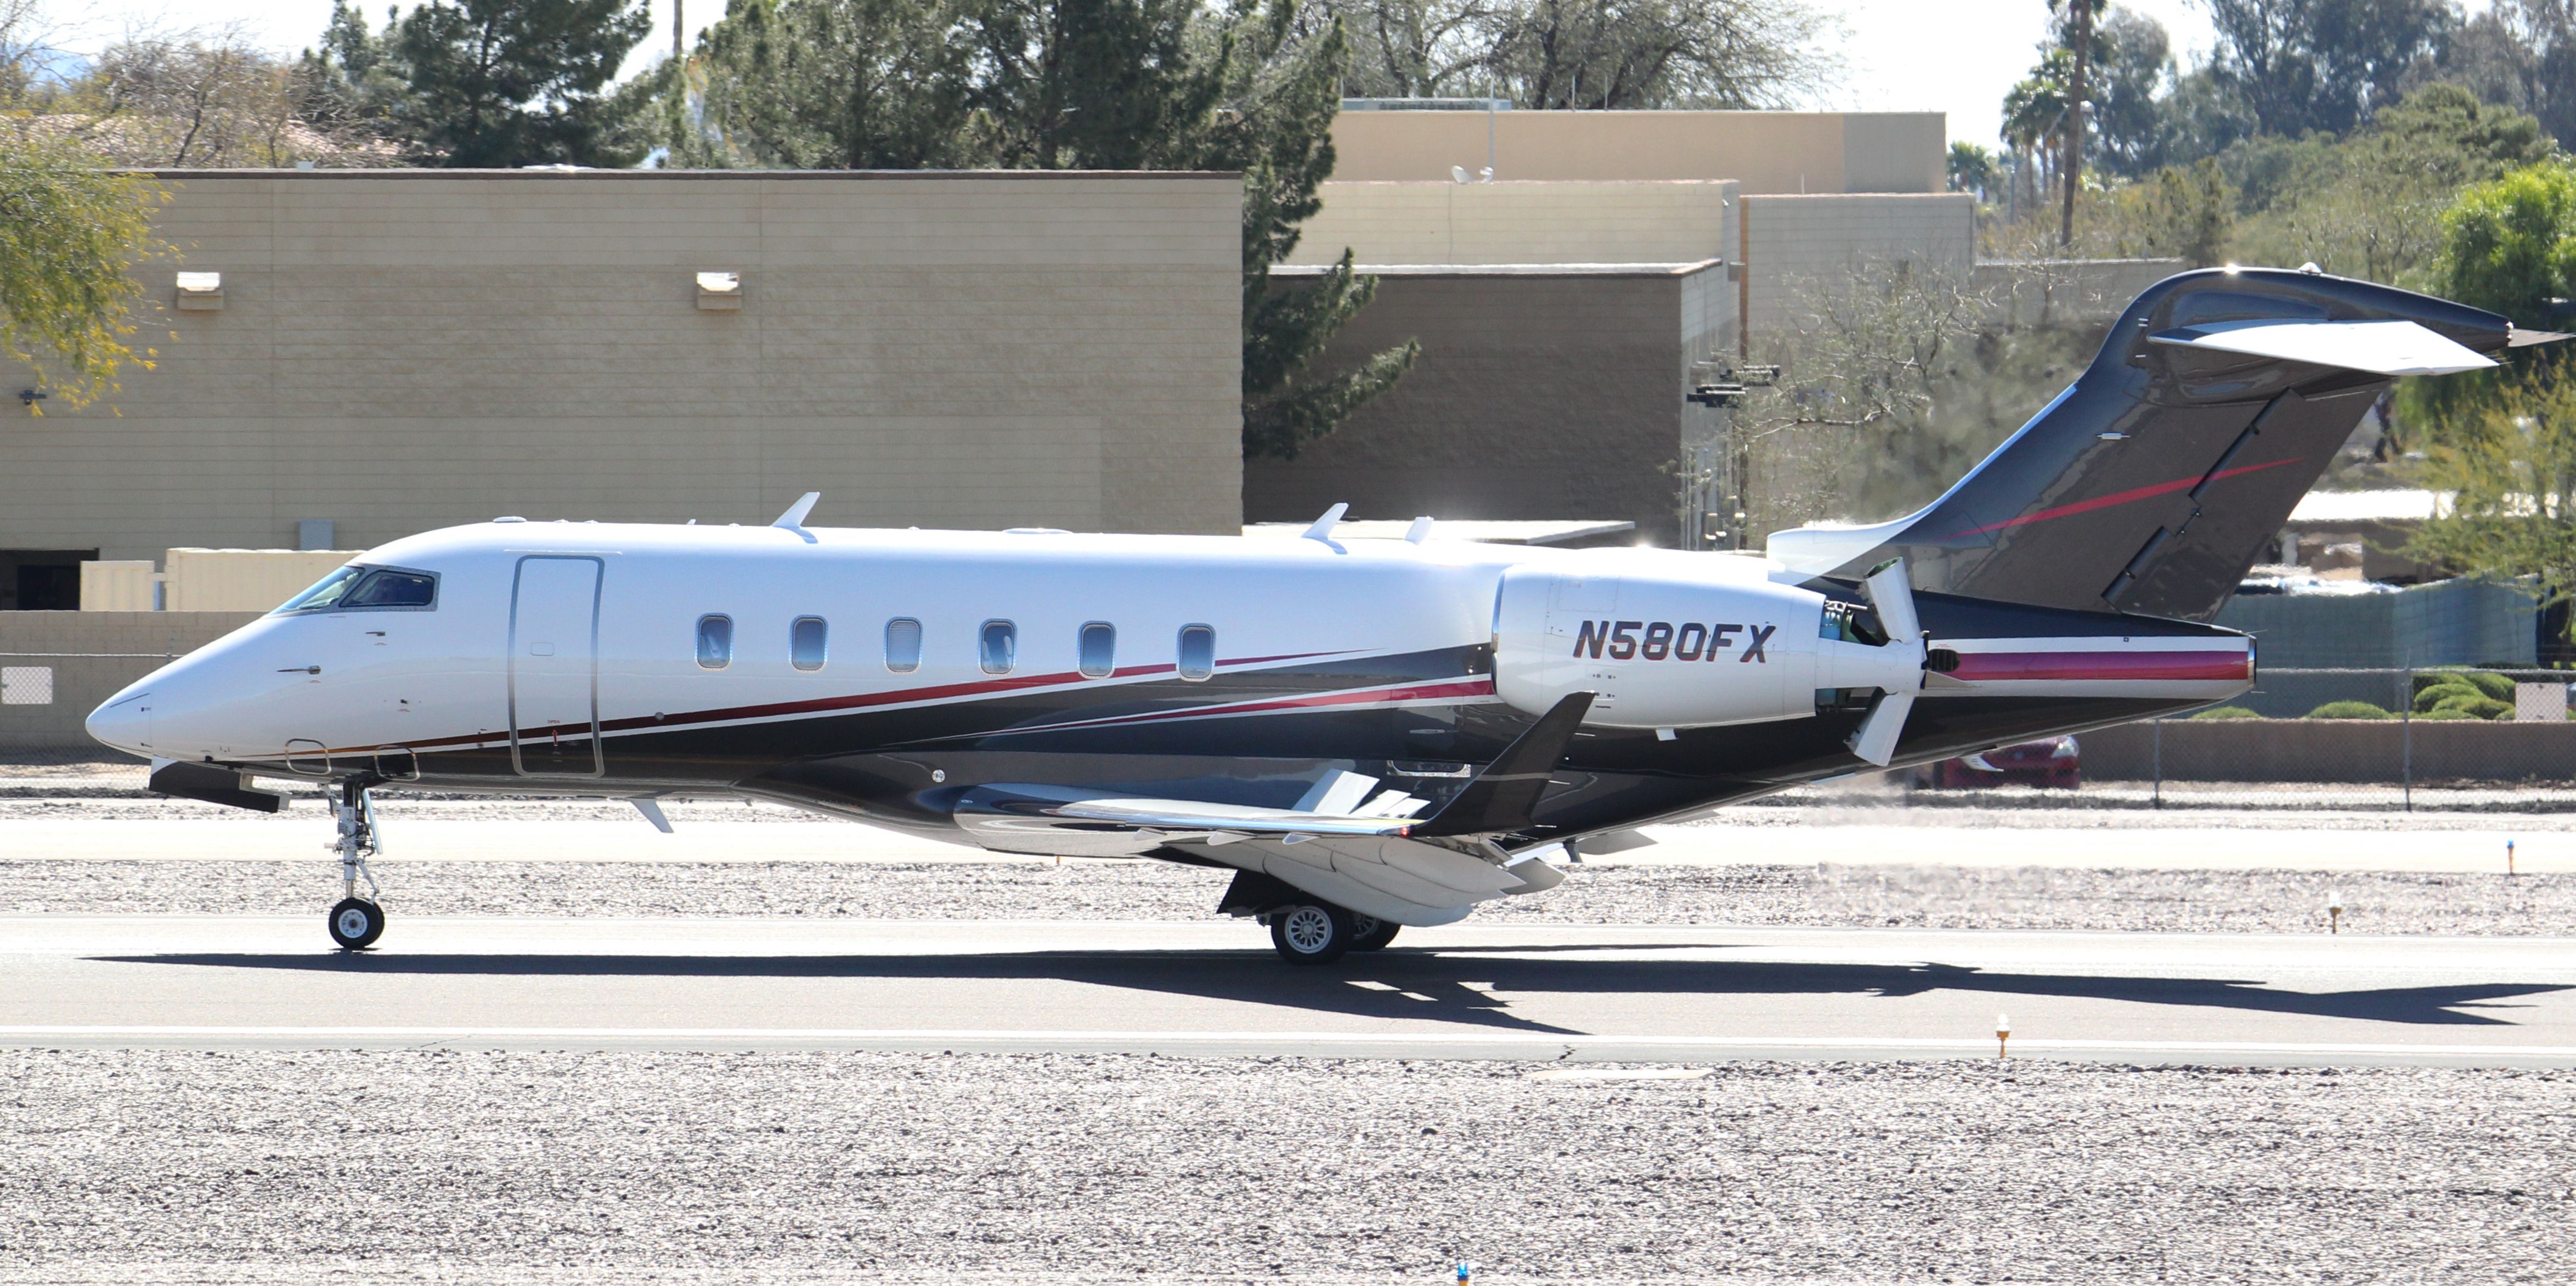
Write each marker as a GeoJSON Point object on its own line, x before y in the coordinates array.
{"type": "Point", "coordinates": [1466, 987]}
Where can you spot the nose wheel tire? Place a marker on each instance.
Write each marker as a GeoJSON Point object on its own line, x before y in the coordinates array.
{"type": "Point", "coordinates": [1372, 933]}
{"type": "Point", "coordinates": [356, 923]}
{"type": "Point", "coordinates": [1312, 934]}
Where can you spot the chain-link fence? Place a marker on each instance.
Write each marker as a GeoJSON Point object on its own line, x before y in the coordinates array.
{"type": "Point", "coordinates": [45, 696]}
{"type": "Point", "coordinates": [2393, 739]}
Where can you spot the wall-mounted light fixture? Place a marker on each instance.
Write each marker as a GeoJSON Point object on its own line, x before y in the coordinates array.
{"type": "Point", "coordinates": [201, 292]}
{"type": "Point", "coordinates": [720, 292]}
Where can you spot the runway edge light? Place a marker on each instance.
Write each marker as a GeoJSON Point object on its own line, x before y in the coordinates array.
{"type": "Point", "coordinates": [2003, 1034]}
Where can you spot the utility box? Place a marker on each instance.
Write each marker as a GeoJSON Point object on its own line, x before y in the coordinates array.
{"type": "Point", "coordinates": [2540, 703]}
{"type": "Point", "coordinates": [120, 585]}
{"type": "Point", "coordinates": [244, 580]}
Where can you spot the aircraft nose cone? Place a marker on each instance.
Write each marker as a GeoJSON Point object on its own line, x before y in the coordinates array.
{"type": "Point", "coordinates": [124, 723]}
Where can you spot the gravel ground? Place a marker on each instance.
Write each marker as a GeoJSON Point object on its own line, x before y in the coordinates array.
{"type": "Point", "coordinates": [1593, 893]}
{"type": "Point", "coordinates": [798, 1167]}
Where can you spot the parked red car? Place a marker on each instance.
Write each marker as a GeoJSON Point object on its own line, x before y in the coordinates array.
{"type": "Point", "coordinates": [2052, 764]}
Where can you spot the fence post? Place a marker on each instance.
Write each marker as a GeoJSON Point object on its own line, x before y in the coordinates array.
{"type": "Point", "coordinates": [2158, 754]}
{"type": "Point", "coordinates": [2406, 737]}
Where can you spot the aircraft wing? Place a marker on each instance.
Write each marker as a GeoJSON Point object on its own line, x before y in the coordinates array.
{"type": "Point", "coordinates": [2381, 347]}
{"type": "Point", "coordinates": [1346, 841]}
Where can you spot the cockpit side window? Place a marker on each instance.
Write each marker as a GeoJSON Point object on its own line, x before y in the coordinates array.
{"type": "Point", "coordinates": [355, 589]}
{"type": "Point", "coordinates": [390, 588]}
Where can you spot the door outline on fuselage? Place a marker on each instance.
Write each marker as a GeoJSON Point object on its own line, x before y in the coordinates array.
{"type": "Point", "coordinates": [598, 581]}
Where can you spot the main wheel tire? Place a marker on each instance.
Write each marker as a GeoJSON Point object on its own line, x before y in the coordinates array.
{"type": "Point", "coordinates": [356, 923]}
{"type": "Point", "coordinates": [1312, 933]}
{"type": "Point", "coordinates": [1372, 933]}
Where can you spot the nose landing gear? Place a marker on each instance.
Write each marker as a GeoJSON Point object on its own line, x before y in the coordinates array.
{"type": "Point", "coordinates": [356, 922]}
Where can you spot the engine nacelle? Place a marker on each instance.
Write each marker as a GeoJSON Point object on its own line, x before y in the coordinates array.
{"type": "Point", "coordinates": [1672, 640]}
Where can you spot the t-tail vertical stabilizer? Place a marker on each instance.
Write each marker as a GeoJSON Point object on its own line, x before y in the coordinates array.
{"type": "Point", "coordinates": [2152, 483]}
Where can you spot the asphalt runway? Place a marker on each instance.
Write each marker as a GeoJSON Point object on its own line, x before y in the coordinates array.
{"type": "Point", "coordinates": [1565, 992]}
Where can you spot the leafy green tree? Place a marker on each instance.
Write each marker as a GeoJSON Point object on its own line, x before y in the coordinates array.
{"type": "Point", "coordinates": [1067, 84]}
{"type": "Point", "coordinates": [2304, 65]}
{"type": "Point", "coordinates": [2178, 212]}
{"type": "Point", "coordinates": [2512, 468]}
{"type": "Point", "coordinates": [488, 83]}
{"type": "Point", "coordinates": [70, 232]}
{"type": "Point", "coordinates": [861, 85]}
{"type": "Point", "coordinates": [1620, 54]}
{"type": "Point", "coordinates": [2371, 206]}
{"type": "Point", "coordinates": [2510, 247]}
{"type": "Point", "coordinates": [1971, 168]}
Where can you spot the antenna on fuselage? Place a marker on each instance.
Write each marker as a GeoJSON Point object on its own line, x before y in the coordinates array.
{"type": "Point", "coordinates": [794, 519]}
{"type": "Point", "coordinates": [1323, 528]}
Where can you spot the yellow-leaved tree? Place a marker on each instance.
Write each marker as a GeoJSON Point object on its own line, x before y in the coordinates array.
{"type": "Point", "coordinates": [71, 231]}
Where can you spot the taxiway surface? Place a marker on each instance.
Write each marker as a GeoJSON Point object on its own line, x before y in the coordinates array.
{"type": "Point", "coordinates": [1587, 992]}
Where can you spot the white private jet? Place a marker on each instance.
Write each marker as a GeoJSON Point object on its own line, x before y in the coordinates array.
{"type": "Point", "coordinates": [1371, 734]}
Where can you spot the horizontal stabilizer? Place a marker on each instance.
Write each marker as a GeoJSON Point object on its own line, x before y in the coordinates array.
{"type": "Point", "coordinates": [2380, 347]}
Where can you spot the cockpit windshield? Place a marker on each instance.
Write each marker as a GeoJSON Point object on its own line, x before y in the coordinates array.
{"type": "Point", "coordinates": [326, 593]}
{"type": "Point", "coordinates": [353, 589]}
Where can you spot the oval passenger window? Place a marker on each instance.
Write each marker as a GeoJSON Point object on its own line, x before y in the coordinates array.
{"type": "Point", "coordinates": [1000, 645]}
{"type": "Point", "coordinates": [1198, 652]}
{"type": "Point", "coordinates": [806, 642]}
{"type": "Point", "coordinates": [903, 645]}
{"type": "Point", "coordinates": [715, 642]}
{"type": "Point", "coordinates": [1097, 657]}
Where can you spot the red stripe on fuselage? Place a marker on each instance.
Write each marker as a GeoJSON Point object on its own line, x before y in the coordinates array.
{"type": "Point", "coordinates": [2101, 667]}
{"type": "Point", "coordinates": [1481, 687]}
{"type": "Point", "coordinates": [2115, 498]}
{"type": "Point", "coordinates": [857, 701]}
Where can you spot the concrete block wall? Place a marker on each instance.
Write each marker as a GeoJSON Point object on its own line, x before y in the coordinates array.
{"type": "Point", "coordinates": [88, 656]}
{"type": "Point", "coordinates": [1496, 223]}
{"type": "Point", "coordinates": [1796, 240]}
{"type": "Point", "coordinates": [399, 351]}
{"type": "Point", "coordinates": [1542, 392]}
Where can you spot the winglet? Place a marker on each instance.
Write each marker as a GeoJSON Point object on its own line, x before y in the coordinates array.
{"type": "Point", "coordinates": [1420, 531]}
{"type": "Point", "coordinates": [1504, 797]}
{"type": "Point", "coordinates": [1323, 528]}
{"type": "Point", "coordinates": [794, 519]}
{"type": "Point", "coordinates": [652, 811]}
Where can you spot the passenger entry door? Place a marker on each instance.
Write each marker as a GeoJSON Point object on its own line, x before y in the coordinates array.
{"type": "Point", "coordinates": [554, 667]}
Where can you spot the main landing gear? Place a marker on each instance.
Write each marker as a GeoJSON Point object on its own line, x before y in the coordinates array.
{"type": "Point", "coordinates": [356, 922]}
{"type": "Point", "coordinates": [1315, 933]}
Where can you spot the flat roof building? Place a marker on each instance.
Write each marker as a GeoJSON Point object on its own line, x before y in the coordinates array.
{"type": "Point", "coordinates": [360, 355]}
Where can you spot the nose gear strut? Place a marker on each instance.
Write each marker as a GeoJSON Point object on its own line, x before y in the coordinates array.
{"type": "Point", "coordinates": [356, 922]}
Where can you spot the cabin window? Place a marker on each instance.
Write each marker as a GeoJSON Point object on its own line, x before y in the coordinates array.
{"type": "Point", "coordinates": [1198, 652]}
{"type": "Point", "coordinates": [806, 641]}
{"type": "Point", "coordinates": [715, 642]}
{"type": "Point", "coordinates": [1097, 657]}
{"type": "Point", "coordinates": [1000, 646]}
{"type": "Point", "coordinates": [903, 645]}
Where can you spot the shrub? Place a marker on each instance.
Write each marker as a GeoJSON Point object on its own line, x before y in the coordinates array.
{"type": "Point", "coordinates": [2487, 685]}
{"type": "Point", "coordinates": [2446, 712]}
{"type": "Point", "coordinates": [2477, 707]}
{"type": "Point", "coordinates": [2429, 697]}
{"type": "Point", "coordinates": [2349, 710]}
{"type": "Point", "coordinates": [2227, 712]}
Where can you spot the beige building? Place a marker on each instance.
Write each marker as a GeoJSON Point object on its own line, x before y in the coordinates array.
{"type": "Point", "coordinates": [1543, 391]}
{"type": "Point", "coordinates": [1766, 152]}
{"type": "Point", "coordinates": [356, 356]}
